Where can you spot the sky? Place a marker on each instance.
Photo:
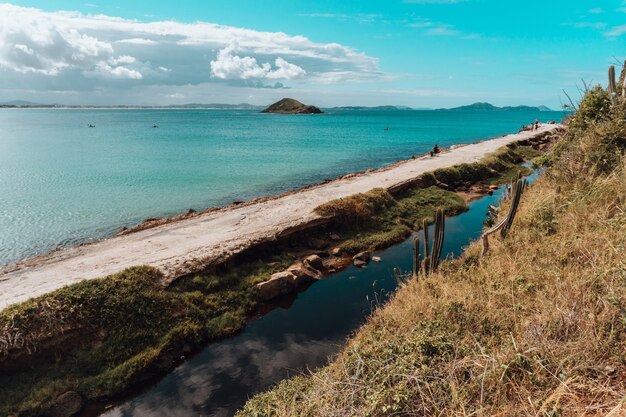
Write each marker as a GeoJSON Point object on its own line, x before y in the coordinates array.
{"type": "Point", "coordinates": [417, 53]}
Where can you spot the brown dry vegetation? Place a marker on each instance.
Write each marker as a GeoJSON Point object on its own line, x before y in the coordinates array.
{"type": "Point", "coordinates": [537, 327]}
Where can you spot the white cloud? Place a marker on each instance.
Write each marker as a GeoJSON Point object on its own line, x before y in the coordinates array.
{"type": "Point", "coordinates": [233, 67]}
{"type": "Point", "coordinates": [138, 41]}
{"type": "Point", "coordinates": [74, 51]}
{"type": "Point", "coordinates": [116, 72]}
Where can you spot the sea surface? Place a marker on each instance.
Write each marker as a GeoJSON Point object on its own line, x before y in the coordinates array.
{"type": "Point", "coordinates": [63, 183]}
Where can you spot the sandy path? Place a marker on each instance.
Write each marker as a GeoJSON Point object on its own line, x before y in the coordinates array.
{"type": "Point", "coordinates": [188, 245]}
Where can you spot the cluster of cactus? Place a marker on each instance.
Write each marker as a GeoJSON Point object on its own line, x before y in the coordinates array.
{"type": "Point", "coordinates": [612, 88]}
{"type": "Point", "coordinates": [516, 189]}
{"type": "Point", "coordinates": [432, 256]}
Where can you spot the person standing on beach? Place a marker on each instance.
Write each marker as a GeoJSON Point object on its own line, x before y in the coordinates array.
{"type": "Point", "coordinates": [435, 150]}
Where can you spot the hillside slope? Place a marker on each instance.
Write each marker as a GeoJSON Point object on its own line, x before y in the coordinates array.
{"type": "Point", "coordinates": [291, 106]}
{"type": "Point", "coordinates": [536, 327]}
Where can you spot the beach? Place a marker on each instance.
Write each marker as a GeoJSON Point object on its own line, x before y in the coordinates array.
{"type": "Point", "coordinates": [191, 245]}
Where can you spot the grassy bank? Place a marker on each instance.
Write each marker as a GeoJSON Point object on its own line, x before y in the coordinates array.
{"type": "Point", "coordinates": [101, 337]}
{"type": "Point", "coordinates": [535, 327]}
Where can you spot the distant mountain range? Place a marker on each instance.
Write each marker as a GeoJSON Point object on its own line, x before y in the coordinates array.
{"type": "Point", "coordinates": [247, 106]}
{"type": "Point", "coordinates": [371, 108]}
{"type": "Point", "coordinates": [491, 107]}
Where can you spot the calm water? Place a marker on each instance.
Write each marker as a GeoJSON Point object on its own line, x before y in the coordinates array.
{"type": "Point", "coordinates": [288, 341]}
{"type": "Point", "coordinates": [62, 183]}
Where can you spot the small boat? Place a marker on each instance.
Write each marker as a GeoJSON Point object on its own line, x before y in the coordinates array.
{"type": "Point", "coordinates": [90, 125]}
{"type": "Point", "coordinates": [155, 126]}
{"type": "Point", "coordinates": [386, 128]}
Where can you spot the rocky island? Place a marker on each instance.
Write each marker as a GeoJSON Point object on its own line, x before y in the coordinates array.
{"type": "Point", "coordinates": [291, 106]}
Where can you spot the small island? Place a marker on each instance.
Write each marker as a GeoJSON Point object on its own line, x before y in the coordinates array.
{"type": "Point", "coordinates": [291, 106]}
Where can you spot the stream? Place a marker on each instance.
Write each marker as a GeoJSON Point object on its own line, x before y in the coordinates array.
{"type": "Point", "coordinates": [294, 338]}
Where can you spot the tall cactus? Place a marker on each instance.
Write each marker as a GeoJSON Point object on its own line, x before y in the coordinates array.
{"type": "Point", "coordinates": [432, 257]}
{"type": "Point", "coordinates": [426, 249]}
{"type": "Point", "coordinates": [504, 225]}
{"type": "Point", "coordinates": [440, 223]}
{"type": "Point", "coordinates": [416, 257]}
{"type": "Point", "coordinates": [612, 85]}
{"type": "Point", "coordinates": [622, 80]}
{"type": "Point", "coordinates": [515, 199]}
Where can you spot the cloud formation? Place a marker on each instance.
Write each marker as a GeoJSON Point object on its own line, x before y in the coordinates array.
{"type": "Point", "coordinates": [70, 50]}
{"type": "Point", "coordinates": [233, 67]}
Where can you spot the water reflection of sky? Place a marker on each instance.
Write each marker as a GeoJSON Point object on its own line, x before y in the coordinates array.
{"type": "Point", "coordinates": [220, 379]}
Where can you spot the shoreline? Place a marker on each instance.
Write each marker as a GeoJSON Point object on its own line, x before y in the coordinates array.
{"type": "Point", "coordinates": [183, 246]}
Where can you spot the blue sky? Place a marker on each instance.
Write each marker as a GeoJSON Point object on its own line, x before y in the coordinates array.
{"type": "Point", "coordinates": [420, 53]}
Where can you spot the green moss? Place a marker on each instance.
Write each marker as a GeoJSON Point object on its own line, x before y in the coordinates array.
{"type": "Point", "coordinates": [400, 216]}
{"type": "Point", "coordinates": [124, 328]}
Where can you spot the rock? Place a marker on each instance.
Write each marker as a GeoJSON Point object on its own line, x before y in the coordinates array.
{"type": "Point", "coordinates": [291, 106]}
{"type": "Point", "coordinates": [443, 186]}
{"type": "Point", "coordinates": [303, 275]}
{"type": "Point", "coordinates": [279, 283]}
{"type": "Point", "coordinates": [336, 251]}
{"type": "Point", "coordinates": [335, 237]}
{"type": "Point", "coordinates": [315, 262]}
{"type": "Point", "coordinates": [376, 259]}
{"type": "Point", "coordinates": [66, 405]}
{"type": "Point", "coordinates": [359, 263]}
{"type": "Point", "coordinates": [362, 256]}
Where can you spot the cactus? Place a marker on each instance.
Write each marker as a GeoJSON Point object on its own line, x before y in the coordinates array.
{"type": "Point", "coordinates": [440, 222]}
{"type": "Point", "coordinates": [426, 249]}
{"type": "Point", "coordinates": [621, 82]}
{"type": "Point", "coordinates": [612, 86]}
{"type": "Point", "coordinates": [432, 259]}
{"type": "Point", "coordinates": [515, 199]}
{"type": "Point", "coordinates": [416, 257]}
{"type": "Point", "coordinates": [504, 225]}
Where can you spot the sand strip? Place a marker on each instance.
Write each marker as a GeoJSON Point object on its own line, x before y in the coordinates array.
{"type": "Point", "coordinates": [192, 244]}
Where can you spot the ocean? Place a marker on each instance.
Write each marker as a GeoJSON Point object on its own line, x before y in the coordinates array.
{"type": "Point", "coordinates": [63, 183]}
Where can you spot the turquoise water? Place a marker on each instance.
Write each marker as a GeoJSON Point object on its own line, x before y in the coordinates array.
{"type": "Point", "coordinates": [63, 183]}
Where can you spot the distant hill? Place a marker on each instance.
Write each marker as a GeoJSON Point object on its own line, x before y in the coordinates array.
{"type": "Point", "coordinates": [291, 106]}
{"type": "Point", "coordinates": [371, 108]}
{"type": "Point", "coordinates": [19, 103]}
{"type": "Point", "coordinates": [491, 107]}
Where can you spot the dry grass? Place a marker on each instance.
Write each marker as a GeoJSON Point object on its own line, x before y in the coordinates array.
{"type": "Point", "coordinates": [536, 328]}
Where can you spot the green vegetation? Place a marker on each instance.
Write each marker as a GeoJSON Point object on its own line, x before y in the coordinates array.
{"type": "Point", "coordinates": [535, 327]}
{"type": "Point", "coordinates": [99, 337]}
{"type": "Point", "coordinates": [377, 220]}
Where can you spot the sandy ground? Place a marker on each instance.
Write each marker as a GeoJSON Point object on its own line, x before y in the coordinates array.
{"type": "Point", "coordinates": [192, 244]}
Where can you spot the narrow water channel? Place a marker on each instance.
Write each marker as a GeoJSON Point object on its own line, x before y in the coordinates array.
{"type": "Point", "coordinates": [290, 340]}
